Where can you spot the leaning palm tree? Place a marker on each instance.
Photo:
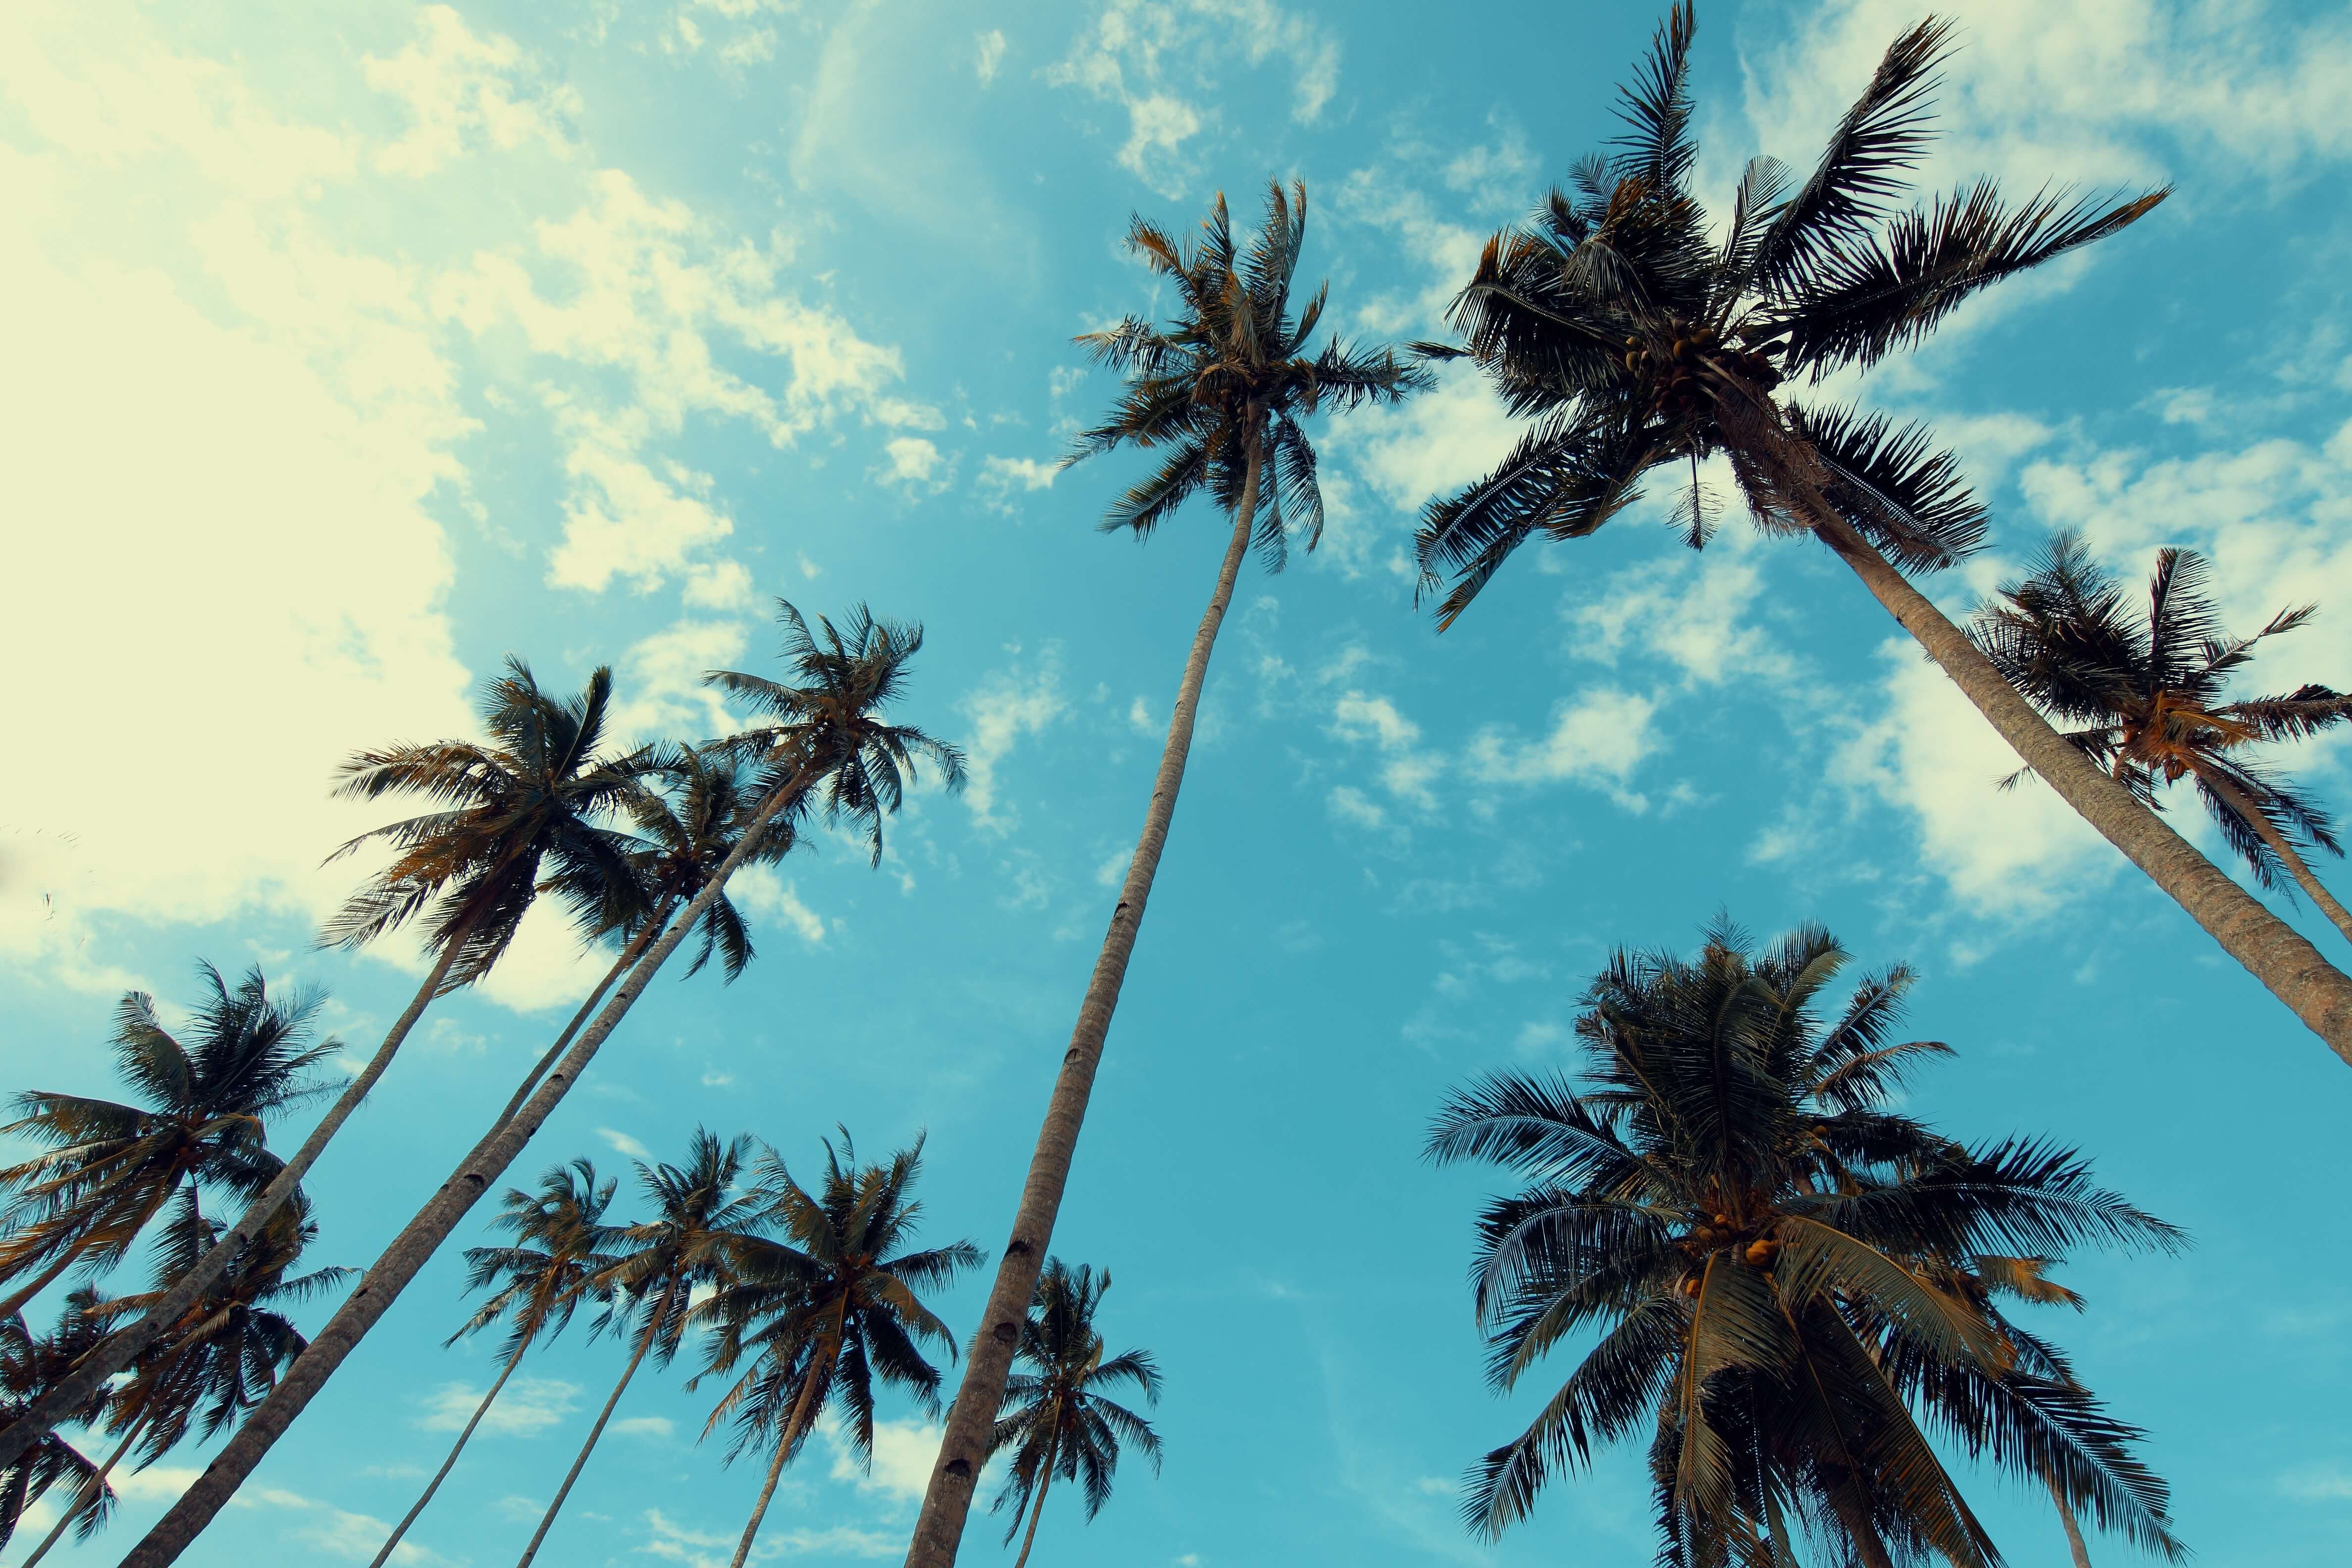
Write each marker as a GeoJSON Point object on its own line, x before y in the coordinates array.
{"type": "Point", "coordinates": [197, 1118]}
{"type": "Point", "coordinates": [1638, 340]}
{"type": "Point", "coordinates": [524, 806]}
{"type": "Point", "coordinates": [1056, 1419]}
{"type": "Point", "coordinates": [1787, 1276]}
{"type": "Point", "coordinates": [825, 1306]}
{"type": "Point", "coordinates": [2147, 695]}
{"type": "Point", "coordinates": [821, 742]}
{"type": "Point", "coordinates": [536, 1286]}
{"type": "Point", "coordinates": [702, 1213]}
{"type": "Point", "coordinates": [1223, 389]}
{"type": "Point", "coordinates": [30, 1366]}
{"type": "Point", "coordinates": [223, 1354]}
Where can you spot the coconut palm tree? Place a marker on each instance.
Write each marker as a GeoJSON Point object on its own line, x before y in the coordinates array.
{"type": "Point", "coordinates": [223, 1355]}
{"type": "Point", "coordinates": [524, 806]}
{"type": "Point", "coordinates": [826, 1305]}
{"type": "Point", "coordinates": [1056, 1419]}
{"type": "Point", "coordinates": [536, 1285]}
{"type": "Point", "coordinates": [701, 1214]}
{"type": "Point", "coordinates": [197, 1118]}
{"type": "Point", "coordinates": [30, 1365]}
{"type": "Point", "coordinates": [1789, 1278]}
{"type": "Point", "coordinates": [2146, 692]}
{"type": "Point", "coordinates": [1223, 389]}
{"type": "Point", "coordinates": [1638, 340]}
{"type": "Point", "coordinates": [819, 743]}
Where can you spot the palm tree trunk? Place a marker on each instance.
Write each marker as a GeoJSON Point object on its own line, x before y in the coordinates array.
{"type": "Point", "coordinates": [118, 1350]}
{"type": "Point", "coordinates": [1037, 1510]}
{"type": "Point", "coordinates": [1855, 1518]}
{"type": "Point", "coordinates": [629, 956]}
{"type": "Point", "coordinates": [644, 1343]}
{"type": "Point", "coordinates": [2273, 952]}
{"type": "Point", "coordinates": [432, 1225]}
{"type": "Point", "coordinates": [988, 1357]}
{"type": "Point", "coordinates": [88, 1492]}
{"type": "Point", "coordinates": [794, 1431]}
{"type": "Point", "coordinates": [2253, 817]}
{"type": "Point", "coordinates": [2066, 1518]}
{"type": "Point", "coordinates": [448, 1464]}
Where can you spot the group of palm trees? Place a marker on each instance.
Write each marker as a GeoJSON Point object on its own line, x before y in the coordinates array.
{"type": "Point", "coordinates": [1792, 1278]}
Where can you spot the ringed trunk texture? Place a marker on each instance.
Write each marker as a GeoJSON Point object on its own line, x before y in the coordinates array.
{"type": "Point", "coordinates": [448, 1464]}
{"type": "Point", "coordinates": [382, 1284]}
{"type": "Point", "coordinates": [118, 1350]}
{"type": "Point", "coordinates": [988, 1355]}
{"type": "Point", "coordinates": [2254, 817]}
{"type": "Point", "coordinates": [88, 1492]}
{"type": "Point", "coordinates": [803, 1418]}
{"type": "Point", "coordinates": [2273, 952]}
{"type": "Point", "coordinates": [1036, 1512]}
{"type": "Point", "coordinates": [644, 1343]}
{"type": "Point", "coordinates": [2066, 1518]}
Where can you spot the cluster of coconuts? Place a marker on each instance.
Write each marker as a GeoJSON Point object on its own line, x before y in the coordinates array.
{"type": "Point", "coordinates": [1672, 369]}
{"type": "Point", "coordinates": [1722, 1235]}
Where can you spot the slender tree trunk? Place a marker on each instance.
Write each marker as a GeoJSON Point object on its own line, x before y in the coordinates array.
{"type": "Point", "coordinates": [988, 1355]}
{"type": "Point", "coordinates": [448, 1464]}
{"type": "Point", "coordinates": [804, 1415]}
{"type": "Point", "coordinates": [644, 1343]}
{"type": "Point", "coordinates": [118, 1350]}
{"type": "Point", "coordinates": [2273, 952]}
{"type": "Point", "coordinates": [431, 1226]}
{"type": "Point", "coordinates": [88, 1492]}
{"type": "Point", "coordinates": [2251, 814]}
{"type": "Point", "coordinates": [2066, 1518]}
{"type": "Point", "coordinates": [644, 938]}
{"type": "Point", "coordinates": [1036, 1512]}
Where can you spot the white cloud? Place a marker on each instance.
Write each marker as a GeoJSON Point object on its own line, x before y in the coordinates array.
{"type": "Point", "coordinates": [334, 1531]}
{"type": "Point", "coordinates": [675, 1542]}
{"type": "Point", "coordinates": [644, 1426]}
{"type": "Point", "coordinates": [622, 518]}
{"type": "Point", "coordinates": [988, 53]}
{"type": "Point", "coordinates": [625, 1144]}
{"type": "Point", "coordinates": [1406, 770]}
{"type": "Point", "coordinates": [461, 90]}
{"type": "Point", "coordinates": [1001, 478]}
{"type": "Point", "coordinates": [914, 463]}
{"type": "Point", "coordinates": [1009, 704]}
{"type": "Point", "coordinates": [1693, 610]}
{"type": "Point", "coordinates": [1113, 871]}
{"type": "Point", "coordinates": [1598, 739]}
{"type": "Point", "coordinates": [525, 1408]}
{"type": "Point", "coordinates": [761, 892]}
{"type": "Point", "coordinates": [904, 1453]}
{"type": "Point", "coordinates": [658, 692]}
{"type": "Point", "coordinates": [2327, 1482]}
{"type": "Point", "coordinates": [1350, 804]}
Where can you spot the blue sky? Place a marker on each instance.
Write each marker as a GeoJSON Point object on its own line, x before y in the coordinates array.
{"type": "Point", "coordinates": [354, 348]}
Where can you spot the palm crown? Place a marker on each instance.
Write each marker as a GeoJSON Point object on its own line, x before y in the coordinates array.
{"type": "Point", "coordinates": [202, 1106]}
{"type": "Point", "coordinates": [701, 1210]}
{"type": "Point", "coordinates": [29, 1365]}
{"type": "Point", "coordinates": [1791, 1279]}
{"type": "Point", "coordinates": [1225, 383]}
{"type": "Point", "coordinates": [690, 829]}
{"type": "Point", "coordinates": [537, 1283]}
{"type": "Point", "coordinates": [527, 801]}
{"type": "Point", "coordinates": [1637, 337]}
{"type": "Point", "coordinates": [2146, 691]}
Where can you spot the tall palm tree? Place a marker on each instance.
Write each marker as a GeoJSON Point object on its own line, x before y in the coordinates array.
{"type": "Point", "coordinates": [30, 1365]}
{"type": "Point", "coordinates": [1056, 1420]}
{"type": "Point", "coordinates": [2146, 693]}
{"type": "Point", "coordinates": [223, 1355]}
{"type": "Point", "coordinates": [1637, 339]}
{"type": "Point", "coordinates": [197, 1118]}
{"type": "Point", "coordinates": [525, 804]}
{"type": "Point", "coordinates": [825, 1306]}
{"type": "Point", "coordinates": [536, 1285]}
{"type": "Point", "coordinates": [821, 742]}
{"type": "Point", "coordinates": [1224, 389]}
{"type": "Point", "coordinates": [1790, 1279]}
{"type": "Point", "coordinates": [701, 1213]}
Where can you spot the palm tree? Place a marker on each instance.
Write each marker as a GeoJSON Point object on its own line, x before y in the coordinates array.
{"type": "Point", "coordinates": [1788, 1278]}
{"type": "Point", "coordinates": [524, 805]}
{"type": "Point", "coordinates": [198, 1118]}
{"type": "Point", "coordinates": [821, 741]}
{"type": "Point", "coordinates": [1224, 388]}
{"type": "Point", "coordinates": [222, 1356]}
{"type": "Point", "coordinates": [30, 1366]}
{"type": "Point", "coordinates": [1055, 1420]}
{"type": "Point", "coordinates": [825, 1306]}
{"type": "Point", "coordinates": [539, 1283]}
{"type": "Point", "coordinates": [2146, 694]}
{"type": "Point", "coordinates": [1639, 340]}
{"type": "Point", "coordinates": [701, 1213]}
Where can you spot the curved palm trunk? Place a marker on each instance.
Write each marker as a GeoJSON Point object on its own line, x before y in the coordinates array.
{"type": "Point", "coordinates": [1036, 1512]}
{"type": "Point", "coordinates": [2273, 952]}
{"type": "Point", "coordinates": [548, 1059]}
{"type": "Point", "coordinates": [431, 1226]}
{"type": "Point", "coordinates": [2253, 817]}
{"type": "Point", "coordinates": [988, 1357]}
{"type": "Point", "coordinates": [87, 1493]}
{"type": "Point", "coordinates": [804, 1417]}
{"type": "Point", "coordinates": [118, 1350]}
{"type": "Point", "coordinates": [2066, 1518]}
{"type": "Point", "coordinates": [385, 1555]}
{"type": "Point", "coordinates": [644, 1343]}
